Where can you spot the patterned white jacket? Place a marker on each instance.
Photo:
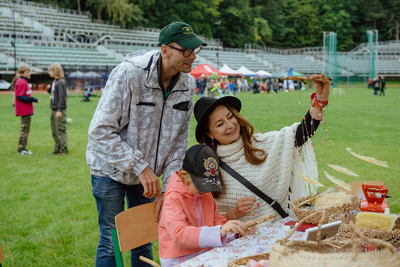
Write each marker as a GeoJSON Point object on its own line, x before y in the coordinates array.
{"type": "Point", "coordinates": [134, 127]}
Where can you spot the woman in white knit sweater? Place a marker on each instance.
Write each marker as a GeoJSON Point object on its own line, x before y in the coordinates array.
{"type": "Point", "coordinates": [271, 161]}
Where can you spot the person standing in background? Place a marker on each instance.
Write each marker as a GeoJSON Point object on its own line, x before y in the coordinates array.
{"type": "Point", "coordinates": [209, 87]}
{"type": "Point", "coordinates": [239, 84]}
{"type": "Point", "coordinates": [383, 84]}
{"type": "Point", "coordinates": [245, 85]}
{"type": "Point", "coordinates": [24, 107]}
{"type": "Point", "coordinates": [201, 86]}
{"type": "Point", "coordinates": [58, 105]}
{"type": "Point", "coordinates": [376, 86]}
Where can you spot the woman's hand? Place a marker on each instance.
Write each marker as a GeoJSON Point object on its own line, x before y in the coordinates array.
{"type": "Point", "coordinates": [243, 206]}
{"type": "Point", "coordinates": [232, 226]}
{"type": "Point", "coordinates": [321, 88]}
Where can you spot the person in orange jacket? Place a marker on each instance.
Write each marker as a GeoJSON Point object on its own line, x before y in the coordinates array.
{"type": "Point", "coordinates": [190, 223]}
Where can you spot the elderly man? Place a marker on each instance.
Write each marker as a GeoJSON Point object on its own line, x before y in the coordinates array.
{"type": "Point", "coordinates": [140, 131]}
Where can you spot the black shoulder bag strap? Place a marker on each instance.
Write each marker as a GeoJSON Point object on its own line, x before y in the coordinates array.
{"type": "Point", "coordinates": [254, 189]}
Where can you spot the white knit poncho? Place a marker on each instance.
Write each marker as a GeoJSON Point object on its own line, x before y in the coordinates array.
{"type": "Point", "coordinates": [273, 177]}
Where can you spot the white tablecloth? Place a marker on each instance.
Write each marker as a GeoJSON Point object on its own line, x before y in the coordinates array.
{"type": "Point", "coordinates": [260, 242]}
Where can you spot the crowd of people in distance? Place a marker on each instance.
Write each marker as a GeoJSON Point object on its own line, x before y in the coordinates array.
{"type": "Point", "coordinates": [215, 88]}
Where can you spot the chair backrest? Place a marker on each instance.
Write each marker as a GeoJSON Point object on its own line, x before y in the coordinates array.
{"type": "Point", "coordinates": [136, 226]}
{"type": "Point", "coordinates": [1, 255]}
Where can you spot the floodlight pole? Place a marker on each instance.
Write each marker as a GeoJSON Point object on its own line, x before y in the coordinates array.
{"type": "Point", "coordinates": [376, 51]}
{"type": "Point", "coordinates": [375, 48]}
{"type": "Point", "coordinates": [329, 70]}
{"type": "Point", "coordinates": [15, 42]}
{"type": "Point", "coordinates": [324, 53]}
{"type": "Point", "coordinates": [217, 59]}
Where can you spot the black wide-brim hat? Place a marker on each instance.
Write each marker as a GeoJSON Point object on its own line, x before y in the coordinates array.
{"type": "Point", "coordinates": [206, 105]}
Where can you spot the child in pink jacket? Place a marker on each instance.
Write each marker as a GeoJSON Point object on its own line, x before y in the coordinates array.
{"type": "Point", "coordinates": [190, 223]}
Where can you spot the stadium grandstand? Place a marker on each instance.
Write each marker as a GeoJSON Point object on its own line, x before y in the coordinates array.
{"type": "Point", "coordinates": [38, 35]}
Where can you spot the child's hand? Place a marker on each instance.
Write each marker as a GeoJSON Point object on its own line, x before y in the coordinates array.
{"type": "Point", "coordinates": [232, 226]}
{"type": "Point", "coordinates": [250, 230]}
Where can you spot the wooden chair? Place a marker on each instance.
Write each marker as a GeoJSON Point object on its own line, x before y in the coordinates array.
{"type": "Point", "coordinates": [1, 255]}
{"type": "Point", "coordinates": [134, 227]}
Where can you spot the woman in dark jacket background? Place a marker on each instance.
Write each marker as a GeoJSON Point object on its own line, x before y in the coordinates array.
{"type": "Point", "coordinates": [58, 105]}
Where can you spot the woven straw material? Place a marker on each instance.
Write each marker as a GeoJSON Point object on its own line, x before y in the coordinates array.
{"type": "Point", "coordinates": [309, 253]}
{"type": "Point", "coordinates": [332, 212]}
{"type": "Point", "coordinates": [244, 260]}
{"type": "Point", "coordinates": [392, 237]}
{"type": "Point", "coordinates": [331, 253]}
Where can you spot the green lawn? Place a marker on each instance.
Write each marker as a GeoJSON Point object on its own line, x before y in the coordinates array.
{"type": "Point", "coordinates": [47, 211]}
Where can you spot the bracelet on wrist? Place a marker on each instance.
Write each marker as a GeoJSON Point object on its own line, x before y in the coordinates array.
{"type": "Point", "coordinates": [321, 105]}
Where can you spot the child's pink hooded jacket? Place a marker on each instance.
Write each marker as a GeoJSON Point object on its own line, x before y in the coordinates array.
{"type": "Point", "coordinates": [188, 223]}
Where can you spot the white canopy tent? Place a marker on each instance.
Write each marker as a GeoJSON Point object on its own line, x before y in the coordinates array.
{"type": "Point", "coordinates": [225, 68]}
{"type": "Point", "coordinates": [76, 74]}
{"type": "Point", "coordinates": [246, 72]}
{"type": "Point", "coordinates": [92, 75]}
{"type": "Point", "coordinates": [264, 74]}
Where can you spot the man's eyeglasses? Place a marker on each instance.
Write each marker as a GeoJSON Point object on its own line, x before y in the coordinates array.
{"type": "Point", "coordinates": [188, 52]}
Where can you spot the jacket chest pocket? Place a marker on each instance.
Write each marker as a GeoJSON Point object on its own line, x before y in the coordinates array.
{"type": "Point", "coordinates": [152, 104]}
{"type": "Point", "coordinates": [146, 113]}
{"type": "Point", "coordinates": [183, 106]}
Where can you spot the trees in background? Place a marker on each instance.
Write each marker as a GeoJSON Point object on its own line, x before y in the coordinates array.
{"type": "Point", "coordinates": [274, 23]}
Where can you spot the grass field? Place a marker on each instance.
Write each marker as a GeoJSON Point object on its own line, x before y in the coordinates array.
{"type": "Point", "coordinates": [47, 211]}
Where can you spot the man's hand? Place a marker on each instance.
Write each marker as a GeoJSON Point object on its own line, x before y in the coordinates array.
{"type": "Point", "coordinates": [150, 183]}
{"type": "Point", "coordinates": [321, 88]}
{"type": "Point", "coordinates": [58, 114]}
{"type": "Point", "coordinates": [38, 100]}
{"type": "Point", "coordinates": [160, 203]}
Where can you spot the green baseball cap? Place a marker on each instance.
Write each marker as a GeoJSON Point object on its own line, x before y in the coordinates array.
{"type": "Point", "coordinates": [180, 33]}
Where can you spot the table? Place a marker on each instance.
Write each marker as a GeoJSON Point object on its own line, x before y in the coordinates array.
{"type": "Point", "coordinates": [261, 242]}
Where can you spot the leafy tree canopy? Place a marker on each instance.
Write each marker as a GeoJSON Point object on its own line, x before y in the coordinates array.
{"type": "Point", "coordinates": [274, 23]}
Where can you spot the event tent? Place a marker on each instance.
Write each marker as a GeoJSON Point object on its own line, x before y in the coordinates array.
{"type": "Point", "coordinates": [205, 69]}
{"type": "Point", "coordinates": [295, 73]}
{"type": "Point", "coordinates": [76, 74]}
{"type": "Point", "coordinates": [246, 72]}
{"type": "Point", "coordinates": [279, 74]}
{"type": "Point", "coordinates": [225, 68]}
{"type": "Point", "coordinates": [264, 74]}
{"type": "Point", "coordinates": [92, 75]}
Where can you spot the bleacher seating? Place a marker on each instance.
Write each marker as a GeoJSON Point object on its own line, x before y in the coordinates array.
{"type": "Point", "coordinates": [235, 60]}
{"type": "Point", "coordinates": [47, 34]}
{"type": "Point", "coordinates": [301, 63]}
{"type": "Point", "coordinates": [45, 54]}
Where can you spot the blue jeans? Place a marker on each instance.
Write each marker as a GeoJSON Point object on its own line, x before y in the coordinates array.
{"type": "Point", "coordinates": [109, 195]}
